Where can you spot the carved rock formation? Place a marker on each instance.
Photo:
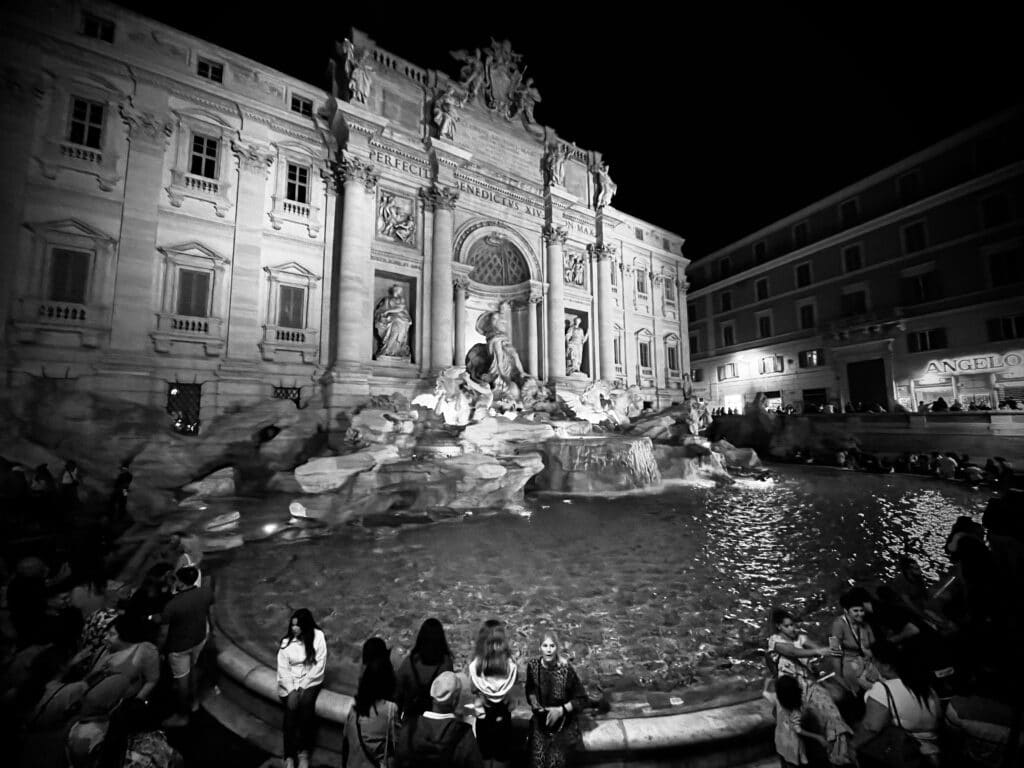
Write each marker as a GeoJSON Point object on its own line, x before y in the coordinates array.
{"type": "Point", "coordinates": [593, 465]}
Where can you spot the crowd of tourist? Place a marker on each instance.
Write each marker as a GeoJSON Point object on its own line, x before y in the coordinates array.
{"type": "Point", "coordinates": [96, 670]}
{"type": "Point", "coordinates": [426, 714]}
{"type": "Point", "coordinates": [912, 674]}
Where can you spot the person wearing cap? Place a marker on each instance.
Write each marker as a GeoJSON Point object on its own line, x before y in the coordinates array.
{"type": "Point", "coordinates": [437, 738]}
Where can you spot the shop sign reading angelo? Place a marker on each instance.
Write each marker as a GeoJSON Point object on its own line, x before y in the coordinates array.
{"type": "Point", "coordinates": [972, 364]}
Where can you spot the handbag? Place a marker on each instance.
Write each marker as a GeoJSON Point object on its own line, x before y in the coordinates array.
{"type": "Point", "coordinates": [893, 746]}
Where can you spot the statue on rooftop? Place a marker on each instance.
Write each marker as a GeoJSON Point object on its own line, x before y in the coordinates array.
{"type": "Point", "coordinates": [471, 76]}
{"type": "Point", "coordinates": [358, 70]}
{"type": "Point", "coordinates": [606, 188]}
{"type": "Point", "coordinates": [554, 164]}
{"type": "Point", "coordinates": [445, 114]}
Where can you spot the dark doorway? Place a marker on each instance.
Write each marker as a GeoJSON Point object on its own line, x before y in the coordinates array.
{"type": "Point", "coordinates": [867, 383]}
{"type": "Point", "coordinates": [184, 402]}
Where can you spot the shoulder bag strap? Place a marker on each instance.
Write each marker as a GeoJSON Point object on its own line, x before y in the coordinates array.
{"type": "Point", "coordinates": [892, 705]}
{"type": "Point", "coordinates": [856, 636]}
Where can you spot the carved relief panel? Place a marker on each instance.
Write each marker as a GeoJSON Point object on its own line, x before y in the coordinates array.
{"type": "Point", "coordinates": [396, 218]}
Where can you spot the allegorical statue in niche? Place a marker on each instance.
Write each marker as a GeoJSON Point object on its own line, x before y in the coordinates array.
{"type": "Point", "coordinates": [575, 338]}
{"type": "Point", "coordinates": [392, 321]}
{"type": "Point", "coordinates": [495, 363]}
{"type": "Point", "coordinates": [395, 222]}
{"type": "Point", "coordinates": [554, 164]}
{"type": "Point", "coordinates": [605, 186]}
{"type": "Point", "coordinates": [445, 114]}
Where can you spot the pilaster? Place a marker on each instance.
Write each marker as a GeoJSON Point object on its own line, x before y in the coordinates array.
{"type": "Point", "coordinates": [554, 237]}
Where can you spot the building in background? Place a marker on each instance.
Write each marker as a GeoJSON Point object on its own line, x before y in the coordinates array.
{"type": "Point", "coordinates": [185, 227]}
{"type": "Point", "coordinates": [901, 288]}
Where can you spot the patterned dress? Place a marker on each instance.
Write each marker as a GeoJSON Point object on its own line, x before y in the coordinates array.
{"type": "Point", "coordinates": [554, 686]}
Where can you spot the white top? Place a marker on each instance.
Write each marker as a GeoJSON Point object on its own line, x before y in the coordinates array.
{"type": "Point", "coordinates": [293, 672]}
{"type": "Point", "coordinates": [922, 721]}
{"type": "Point", "coordinates": [787, 666]}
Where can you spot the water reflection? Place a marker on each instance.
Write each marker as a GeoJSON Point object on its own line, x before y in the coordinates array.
{"type": "Point", "coordinates": [658, 592]}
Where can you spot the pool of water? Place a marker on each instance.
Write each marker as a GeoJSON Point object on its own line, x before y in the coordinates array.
{"type": "Point", "coordinates": [666, 592]}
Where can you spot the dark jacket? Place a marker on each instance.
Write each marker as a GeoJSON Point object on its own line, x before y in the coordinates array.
{"type": "Point", "coordinates": [426, 741]}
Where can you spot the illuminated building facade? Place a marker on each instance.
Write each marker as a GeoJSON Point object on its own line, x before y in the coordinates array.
{"type": "Point", "coordinates": [184, 224]}
{"type": "Point", "coordinates": [901, 288]}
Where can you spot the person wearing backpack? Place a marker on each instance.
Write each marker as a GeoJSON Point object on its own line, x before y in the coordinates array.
{"type": "Point", "coordinates": [437, 738]}
{"type": "Point", "coordinates": [427, 659]}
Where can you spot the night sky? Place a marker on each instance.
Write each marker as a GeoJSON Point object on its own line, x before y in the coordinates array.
{"type": "Point", "coordinates": [715, 121]}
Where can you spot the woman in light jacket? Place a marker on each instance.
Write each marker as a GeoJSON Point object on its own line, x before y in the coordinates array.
{"type": "Point", "coordinates": [301, 661]}
{"type": "Point", "coordinates": [493, 675]}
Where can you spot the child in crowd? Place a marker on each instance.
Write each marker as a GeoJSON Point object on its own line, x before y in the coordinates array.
{"type": "Point", "coordinates": [789, 733]}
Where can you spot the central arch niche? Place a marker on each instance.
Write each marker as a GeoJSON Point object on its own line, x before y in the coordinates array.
{"type": "Point", "coordinates": [496, 261]}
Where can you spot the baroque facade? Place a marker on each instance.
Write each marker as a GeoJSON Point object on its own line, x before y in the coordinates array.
{"type": "Point", "coordinates": [185, 225]}
{"type": "Point", "coordinates": [899, 289]}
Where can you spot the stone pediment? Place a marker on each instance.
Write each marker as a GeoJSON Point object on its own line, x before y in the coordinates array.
{"type": "Point", "coordinates": [194, 250]}
{"type": "Point", "coordinates": [292, 268]}
{"type": "Point", "coordinates": [203, 115]}
{"type": "Point", "coordinates": [70, 227]}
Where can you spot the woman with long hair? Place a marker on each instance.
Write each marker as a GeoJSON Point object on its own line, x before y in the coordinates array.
{"type": "Point", "coordinates": [556, 695]}
{"type": "Point", "coordinates": [301, 662]}
{"type": "Point", "coordinates": [429, 657]}
{"type": "Point", "coordinates": [369, 740]}
{"type": "Point", "coordinates": [492, 673]}
{"type": "Point", "coordinates": [903, 696]}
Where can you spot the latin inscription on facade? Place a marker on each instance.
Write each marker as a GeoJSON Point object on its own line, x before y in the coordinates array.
{"type": "Point", "coordinates": [497, 197]}
{"type": "Point", "coordinates": [390, 161]}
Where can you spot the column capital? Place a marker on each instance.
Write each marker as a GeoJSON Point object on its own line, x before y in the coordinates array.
{"type": "Point", "coordinates": [329, 176]}
{"type": "Point", "coordinates": [555, 235]}
{"type": "Point", "coordinates": [535, 298]}
{"type": "Point", "coordinates": [438, 197]}
{"type": "Point", "coordinates": [147, 127]}
{"type": "Point", "coordinates": [351, 168]}
{"type": "Point", "coordinates": [253, 157]}
{"type": "Point", "coordinates": [460, 282]}
{"type": "Point", "coordinates": [683, 284]}
{"type": "Point", "coordinates": [601, 251]}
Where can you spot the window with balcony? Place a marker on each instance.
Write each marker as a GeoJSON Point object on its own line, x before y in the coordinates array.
{"type": "Point", "coordinates": [290, 332]}
{"type": "Point", "coordinates": [853, 260]}
{"type": "Point", "coordinates": [645, 354]}
{"type": "Point", "coordinates": [204, 156]}
{"type": "Point", "coordinates": [1005, 328]}
{"type": "Point", "coordinates": [807, 313]}
{"type": "Point", "coordinates": [908, 187]}
{"type": "Point", "coordinates": [914, 237]}
{"type": "Point", "coordinates": [297, 188]}
{"type": "Point", "coordinates": [672, 356]}
{"type": "Point", "coordinates": [641, 280]}
{"type": "Point", "coordinates": [728, 371]}
{"type": "Point", "coordinates": [920, 286]}
{"type": "Point", "coordinates": [86, 125]}
{"type": "Point", "coordinates": [771, 364]}
{"type": "Point", "coordinates": [803, 274]}
{"type": "Point", "coordinates": [761, 289]}
{"type": "Point", "coordinates": [199, 170]}
{"type": "Point", "coordinates": [291, 306]}
{"type": "Point", "coordinates": [764, 326]}
{"type": "Point", "coordinates": [69, 287]}
{"type": "Point", "coordinates": [193, 301]}
{"type": "Point", "coordinates": [812, 358]}
{"type": "Point", "coordinates": [97, 27]}
{"type": "Point", "coordinates": [849, 213]}
{"type": "Point", "coordinates": [210, 70]}
{"type": "Point", "coordinates": [800, 234]}
{"type": "Point", "coordinates": [925, 341]}
{"type": "Point", "coordinates": [728, 335]}
{"type": "Point", "coordinates": [617, 350]}
{"type": "Point", "coordinates": [853, 303]}
{"type": "Point", "coordinates": [302, 105]}
{"type": "Point", "coordinates": [760, 252]}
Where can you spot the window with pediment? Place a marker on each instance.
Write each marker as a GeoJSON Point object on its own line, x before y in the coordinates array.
{"type": "Point", "coordinates": [497, 261]}
{"type": "Point", "coordinates": [193, 303]}
{"type": "Point", "coordinates": [84, 131]}
{"type": "Point", "coordinates": [673, 357]}
{"type": "Point", "coordinates": [645, 356]}
{"type": "Point", "coordinates": [290, 332]}
{"type": "Point", "coordinates": [295, 188]}
{"type": "Point", "coordinates": [202, 164]}
{"type": "Point", "coordinates": [67, 289]}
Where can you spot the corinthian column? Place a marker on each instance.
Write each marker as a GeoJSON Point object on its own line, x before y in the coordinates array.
{"type": "Point", "coordinates": [555, 239]}
{"type": "Point", "coordinates": [605, 333]}
{"type": "Point", "coordinates": [533, 342]}
{"type": "Point", "coordinates": [461, 284]}
{"type": "Point", "coordinates": [442, 200]}
{"type": "Point", "coordinates": [355, 282]}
